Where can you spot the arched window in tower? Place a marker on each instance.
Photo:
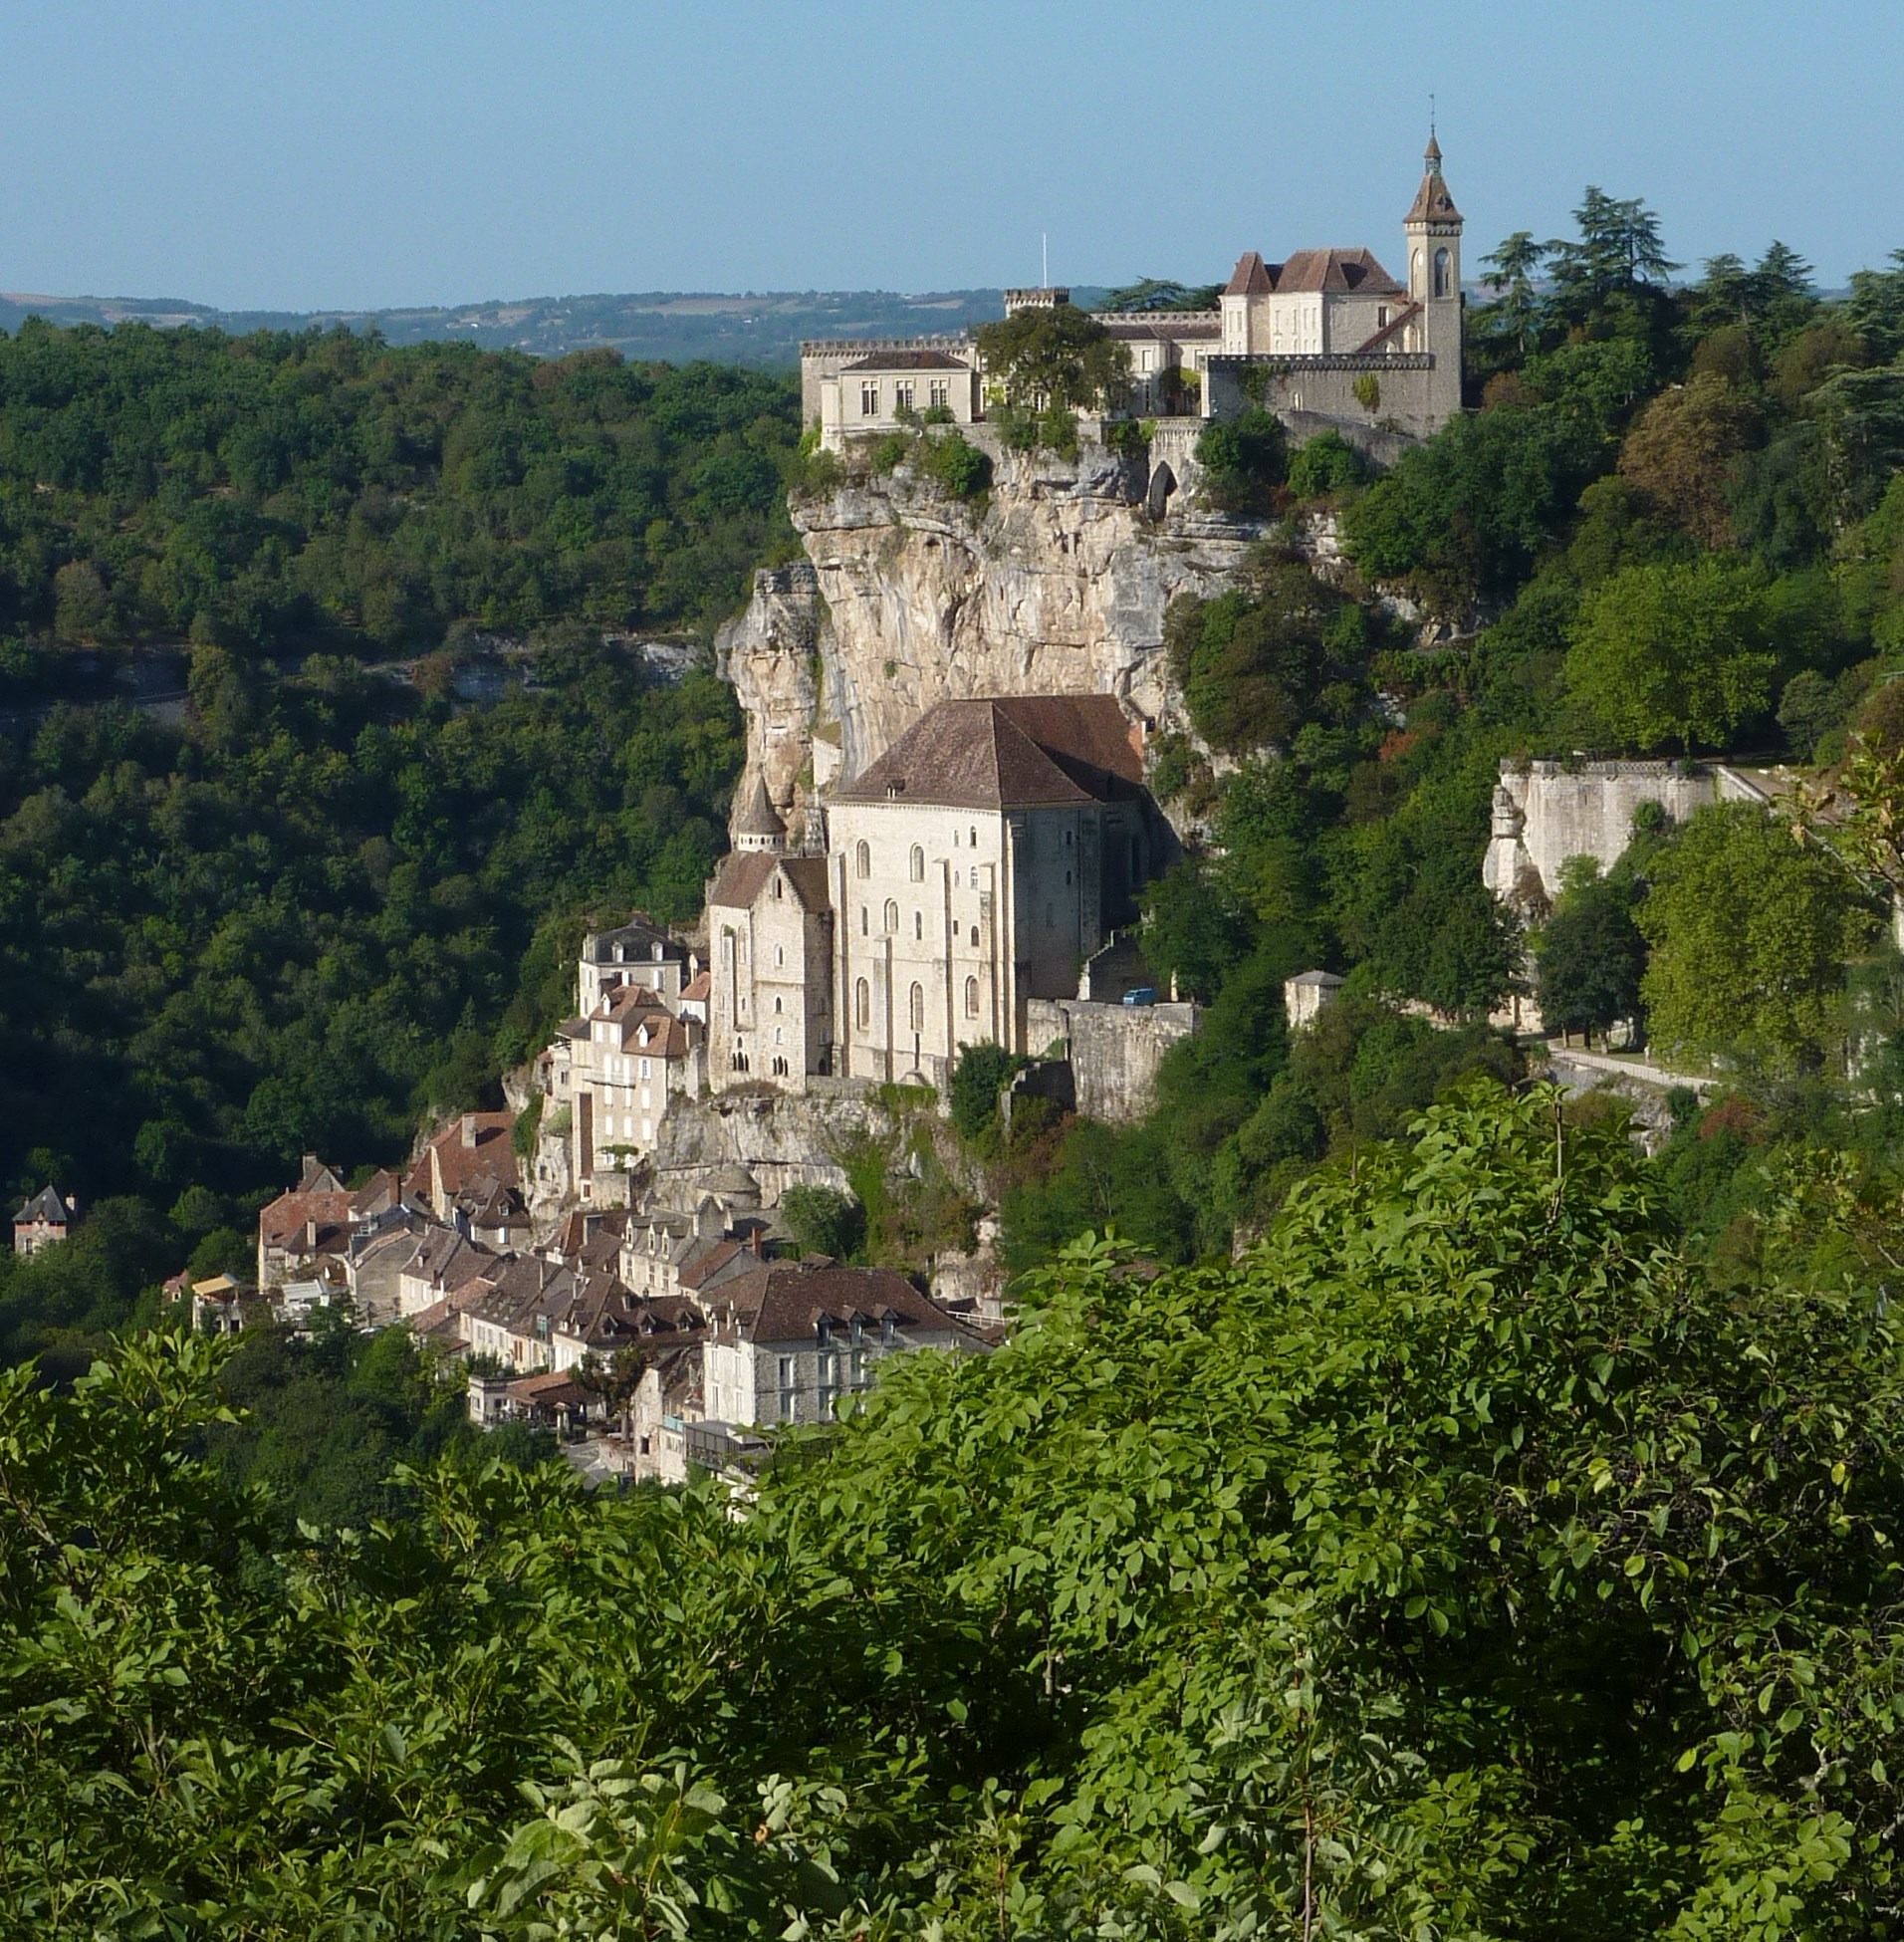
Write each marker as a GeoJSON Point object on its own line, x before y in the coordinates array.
{"type": "Point", "coordinates": [918, 865]}
{"type": "Point", "coordinates": [919, 926]}
{"type": "Point", "coordinates": [862, 1004]}
{"type": "Point", "coordinates": [915, 1006]}
{"type": "Point", "coordinates": [862, 858]}
{"type": "Point", "coordinates": [975, 937]}
{"type": "Point", "coordinates": [971, 998]}
{"type": "Point", "coordinates": [1417, 281]}
{"type": "Point", "coordinates": [1444, 264]}
{"type": "Point", "coordinates": [892, 918]}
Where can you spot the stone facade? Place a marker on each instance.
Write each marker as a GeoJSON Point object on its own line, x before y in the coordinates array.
{"type": "Point", "coordinates": [1113, 1050]}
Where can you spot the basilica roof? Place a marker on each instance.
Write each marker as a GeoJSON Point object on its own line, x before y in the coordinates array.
{"type": "Point", "coordinates": [1008, 751]}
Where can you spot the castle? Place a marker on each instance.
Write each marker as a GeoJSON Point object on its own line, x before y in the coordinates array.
{"type": "Point", "coordinates": [1325, 337]}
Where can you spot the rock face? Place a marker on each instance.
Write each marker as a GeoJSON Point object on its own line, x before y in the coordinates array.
{"type": "Point", "coordinates": [783, 1140]}
{"type": "Point", "coordinates": [1056, 582]}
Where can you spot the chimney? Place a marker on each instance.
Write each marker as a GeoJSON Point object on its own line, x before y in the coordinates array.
{"type": "Point", "coordinates": [311, 1234]}
{"type": "Point", "coordinates": [469, 1130]}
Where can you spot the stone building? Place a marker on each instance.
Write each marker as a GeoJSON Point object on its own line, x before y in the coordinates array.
{"type": "Point", "coordinates": [791, 1340]}
{"type": "Point", "coordinates": [770, 929]}
{"type": "Point", "coordinates": [623, 1068]}
{"type": "Point", "coordinates": [1324, 337]}
{"type": "Point", "coordinates": [1329, 334]}
{"type": "Point", "coordinates": [640, 952]}
{"type": "Point", "coordinates": [42, 1222]}
{"type": "Point", "coordinates": [975, 867]}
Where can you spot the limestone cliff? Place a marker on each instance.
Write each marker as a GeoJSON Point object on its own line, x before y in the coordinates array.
{"type": "Point", "coordinates": [1056, 582]}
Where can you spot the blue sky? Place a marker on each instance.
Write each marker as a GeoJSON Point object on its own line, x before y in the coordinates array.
{"type": "Point", "coordinates": [283, 153]}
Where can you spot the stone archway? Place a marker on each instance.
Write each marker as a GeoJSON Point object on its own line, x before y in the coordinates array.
{"type": "Point", "coordinates": [1163, 482]}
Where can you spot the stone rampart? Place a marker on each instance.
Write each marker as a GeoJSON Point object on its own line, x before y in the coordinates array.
{"type": "Point", "coordinates": [1322, 389]}
{"type": "Point", "coordinates": [1115, 1050]}
{"type": "Point", "coordinates": [1547, 811]}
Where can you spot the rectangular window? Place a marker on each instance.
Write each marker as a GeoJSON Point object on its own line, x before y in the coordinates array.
{"type": "Point", "coordinates": [869, 397]}
{"type": "Point", "coordinates": [829, 1385]}
{"type": "Point", "coordinates": [938, 393]}
{"type": "Point", "coordinates": [903, 394]}
{"type": "Point", "coordinates": [788, 1387]}
{"type": "Point", "coordinates": [644, 1068]}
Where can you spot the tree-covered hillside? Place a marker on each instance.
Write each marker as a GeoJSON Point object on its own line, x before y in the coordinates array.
{"type": "Point", "coordinates": [277, 491]}
{"type": "Point", "coordinates": [1466, 1561]}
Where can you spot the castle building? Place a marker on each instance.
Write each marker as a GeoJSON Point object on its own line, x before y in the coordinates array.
{"type": "Point", "coordinates": [1326, 335]}
{"type": "Point", "coordinates": [970, 871]}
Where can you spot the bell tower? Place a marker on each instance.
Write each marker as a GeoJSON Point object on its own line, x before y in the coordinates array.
{"type": "Point", "coordinates": [1433, 229]}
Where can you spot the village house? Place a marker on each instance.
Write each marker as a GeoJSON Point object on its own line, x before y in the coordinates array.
{"type": "Point", "coordinates": [475, 1148]}
{"type": "Point", "coordinates": [318, 1220]}
{"type": "Point", "coordinates": [623, 1067]}
{"type": "Point", "coordinates": [42, 1223]}
{"type": "Point", "coordinates": [443, 1262]}
{"type": "Point", "coordinates": [640, 952]}
{"type": "Point", "coordinates": [792, 1340]}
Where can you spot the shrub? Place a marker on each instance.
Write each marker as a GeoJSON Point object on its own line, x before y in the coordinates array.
{"type": "Point", "coordinates": [957, 465]}
{"type": "Point", "coordinates": [981, 1073]}
{"type": "Point", "coordinates": [1326, 464]}
{"type": "Point", "coordinates": [1244, 460]}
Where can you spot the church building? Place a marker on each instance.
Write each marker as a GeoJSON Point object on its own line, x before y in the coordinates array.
{"type": "Point", "coordinates": [973, 868]}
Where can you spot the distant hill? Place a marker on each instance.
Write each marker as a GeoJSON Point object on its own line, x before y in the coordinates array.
{"type": "Point", "coordinates": [672, 326]}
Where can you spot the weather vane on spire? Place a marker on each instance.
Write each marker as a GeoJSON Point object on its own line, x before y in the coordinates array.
{"type": "Point", "coordinates": [1431, 112]}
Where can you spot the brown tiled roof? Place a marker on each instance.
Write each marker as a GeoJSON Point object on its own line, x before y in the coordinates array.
{"type": "Point", "coordinates": [907, 360]}
{"type": "Point", "coordinates": [1009, 752]}
{"type": "Point", "coordinates": [446, 1254]}
{"type": "Point", "coordinates": [284, 1220]}
{"type": "Point", "coordinates": [787, 1301]}
{"type": "Point", "coordinates": [700, 986]}
{"type": "Point", "coordinates": [493, 1156]}
{"type": "Point", "coordinates": [1432, 201]}
{"type": "Point", "coordinates": [1250, 278]}
{"type": "Point", "coordinates": [1337, 272]}
{"type": "Point", "coordinates": [742, 878]}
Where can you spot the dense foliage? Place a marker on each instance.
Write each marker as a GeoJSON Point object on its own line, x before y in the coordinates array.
{"type": "Point", "coordinates": [324, 907]}
{"type": "Point", "coordinates": [276, 490]}
{"type": "Point", "coordinates": [1463, 1558]}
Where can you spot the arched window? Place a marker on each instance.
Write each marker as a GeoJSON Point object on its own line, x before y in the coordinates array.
{"type": "Point", "coordinates": [916, 1006]}
{"type": "Point", "coordinates": [1443, 263]}
{"type": "Point", "coordinates": [776, 1007]}
{"type": "Point", "coordinates": [780, 954]}
{"type": "Point", "coordinates": [971, 998]}
{"type": "Point", "coordinates": [1416, 279]}
{"type": "Point", "coordinates": [918, 865]}
{"type": "Point", "coordinates": [862, 1004]}
{"type": "Point", "coordinates": [919, 926]}
{"type": "Point", "coordinates": [975, 937]}
{"type": "Point", "coordinates": [892, 918]}
{"type": "Point", "coordinates": [862, 858]}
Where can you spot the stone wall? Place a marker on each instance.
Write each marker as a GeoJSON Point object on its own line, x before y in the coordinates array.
{"type": "Point", "coordinates": [1547, 812]}
{"type": "Point", "coordinates": [1115, 1050]}
{"type": "Point", "coordinates": [1322, 389]}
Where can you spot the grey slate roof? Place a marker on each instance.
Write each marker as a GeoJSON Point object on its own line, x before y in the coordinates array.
{"type": "Point", "coordinates": [46, 1205]}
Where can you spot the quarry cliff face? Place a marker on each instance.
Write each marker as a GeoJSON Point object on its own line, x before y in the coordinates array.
{"type": "Point", "coordinates": [1056, 583]}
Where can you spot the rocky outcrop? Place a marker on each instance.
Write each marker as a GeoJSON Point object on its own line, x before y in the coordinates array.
{"type": "Point", "coordinates": [1056, 581]}
{"type": "Point", "coordinates": [783, 1139]}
